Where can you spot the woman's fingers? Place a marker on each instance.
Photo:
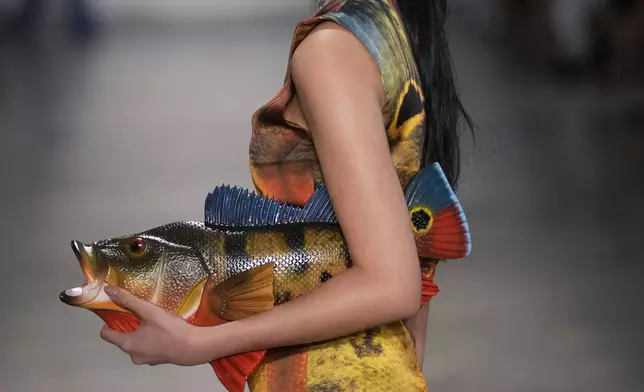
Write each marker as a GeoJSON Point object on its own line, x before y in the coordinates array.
{"type": "Point", "coordinates": [126, 300]}
{"type": "Point", "coordinates": [118, 339]}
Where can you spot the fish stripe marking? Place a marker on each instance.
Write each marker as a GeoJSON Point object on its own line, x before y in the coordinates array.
{"type": "Point", "coordinates": [294, 236]}
{"type": "Point", "coordinates": [294, 240]}
{"type": "Point", "coordinates": [235, 245]}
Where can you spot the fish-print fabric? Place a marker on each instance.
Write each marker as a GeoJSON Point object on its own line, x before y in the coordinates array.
{"type": "Point", "coordinates": [284, 165]}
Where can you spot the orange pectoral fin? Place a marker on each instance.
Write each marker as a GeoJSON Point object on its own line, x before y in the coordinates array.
{"type": "Point", "coordinates": [245, 294]}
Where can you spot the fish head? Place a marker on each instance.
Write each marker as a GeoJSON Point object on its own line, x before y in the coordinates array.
{"type": "Point", "coordinates": [164, 266]}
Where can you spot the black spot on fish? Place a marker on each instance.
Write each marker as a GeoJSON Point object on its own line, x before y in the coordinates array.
{"type": "Point", "coordinates": [411, 105]}
{"type": "Point", "coordinates": [235, 244]}
{"type": "Point", "coordinates": [283, 297]}
{"type": "Point", "coordinates": [294, 238]}
{"type": "Point", "coordinates": [325, 276]}
{"type": "Point", "coordinates": [420, 219]}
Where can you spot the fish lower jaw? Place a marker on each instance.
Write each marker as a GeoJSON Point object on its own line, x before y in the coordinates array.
{"type": "Point", "coordinates": [79, 296]}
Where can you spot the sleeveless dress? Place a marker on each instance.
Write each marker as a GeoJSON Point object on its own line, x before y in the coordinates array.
{"type": "Point", "coordinates": [284, 165]}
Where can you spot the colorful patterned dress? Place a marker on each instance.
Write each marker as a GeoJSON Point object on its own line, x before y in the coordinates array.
{"type": "Point", "coordinates": [284, 165]}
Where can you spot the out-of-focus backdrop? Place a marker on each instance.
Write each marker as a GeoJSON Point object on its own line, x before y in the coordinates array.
{"type": "Point", "coordinates": [117, 116]}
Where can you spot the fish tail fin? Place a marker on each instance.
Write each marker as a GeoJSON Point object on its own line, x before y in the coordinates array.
{"type": "Point", "coordinates": [440, 227]}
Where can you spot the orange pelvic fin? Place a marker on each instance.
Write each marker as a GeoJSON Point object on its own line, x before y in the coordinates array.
{"type": "Point", "coordinates": [118, 321]}
{"type": "Point", "coordinates": [233, 371]}
{"type": "Point", "coordinates": [243, 295]}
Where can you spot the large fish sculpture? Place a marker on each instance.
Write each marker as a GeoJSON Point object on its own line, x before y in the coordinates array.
{"type": "Point", "coordinates": [250, 254]}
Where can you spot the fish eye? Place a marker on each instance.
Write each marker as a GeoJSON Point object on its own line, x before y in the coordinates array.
{"type": "Point", "coordinates": [136, 246]}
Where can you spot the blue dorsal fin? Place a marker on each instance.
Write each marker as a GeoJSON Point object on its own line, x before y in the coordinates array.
{"type": "Point", "coordinates": [318, 208]}
{"type": "Point", "coordinates": [236, 207]}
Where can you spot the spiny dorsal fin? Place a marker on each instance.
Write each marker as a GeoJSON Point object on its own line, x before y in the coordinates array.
{"type": "Point", "coordinates": [318, 208]}
{"type": "Point", "coordinates": [235, 207]}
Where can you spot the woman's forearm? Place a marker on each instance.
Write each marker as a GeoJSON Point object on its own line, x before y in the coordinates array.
{"type": "Point", "coordinates": [348, 303]}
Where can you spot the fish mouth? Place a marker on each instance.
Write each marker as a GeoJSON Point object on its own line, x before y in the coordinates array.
{"type": "Point", "coordinates": [90, 295]}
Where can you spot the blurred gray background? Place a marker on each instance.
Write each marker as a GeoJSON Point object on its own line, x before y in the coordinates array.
{"type": "Point", "coordinates": [122, 116]}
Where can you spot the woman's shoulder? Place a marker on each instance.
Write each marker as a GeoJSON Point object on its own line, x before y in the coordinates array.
{"type": "Point", "coordinates": [378, 26]}
{"type": "Point", "coordinates": [374, 22]}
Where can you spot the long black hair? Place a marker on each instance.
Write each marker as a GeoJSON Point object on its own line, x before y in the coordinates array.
{"type": "Point", "coordinates": [424, 21]}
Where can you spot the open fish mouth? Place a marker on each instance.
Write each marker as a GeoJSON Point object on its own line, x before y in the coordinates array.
{"type": "Point", "coordinates": [78, 296]}
{"type": "Point", "coordinates": [89, 295]}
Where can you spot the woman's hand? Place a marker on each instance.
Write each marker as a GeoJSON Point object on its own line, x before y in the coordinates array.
{"type": "Point", "coordinates": [162, 337]}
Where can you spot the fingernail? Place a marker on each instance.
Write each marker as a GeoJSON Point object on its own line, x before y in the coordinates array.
{"type": "Point", "coordinates": [111, 291]}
